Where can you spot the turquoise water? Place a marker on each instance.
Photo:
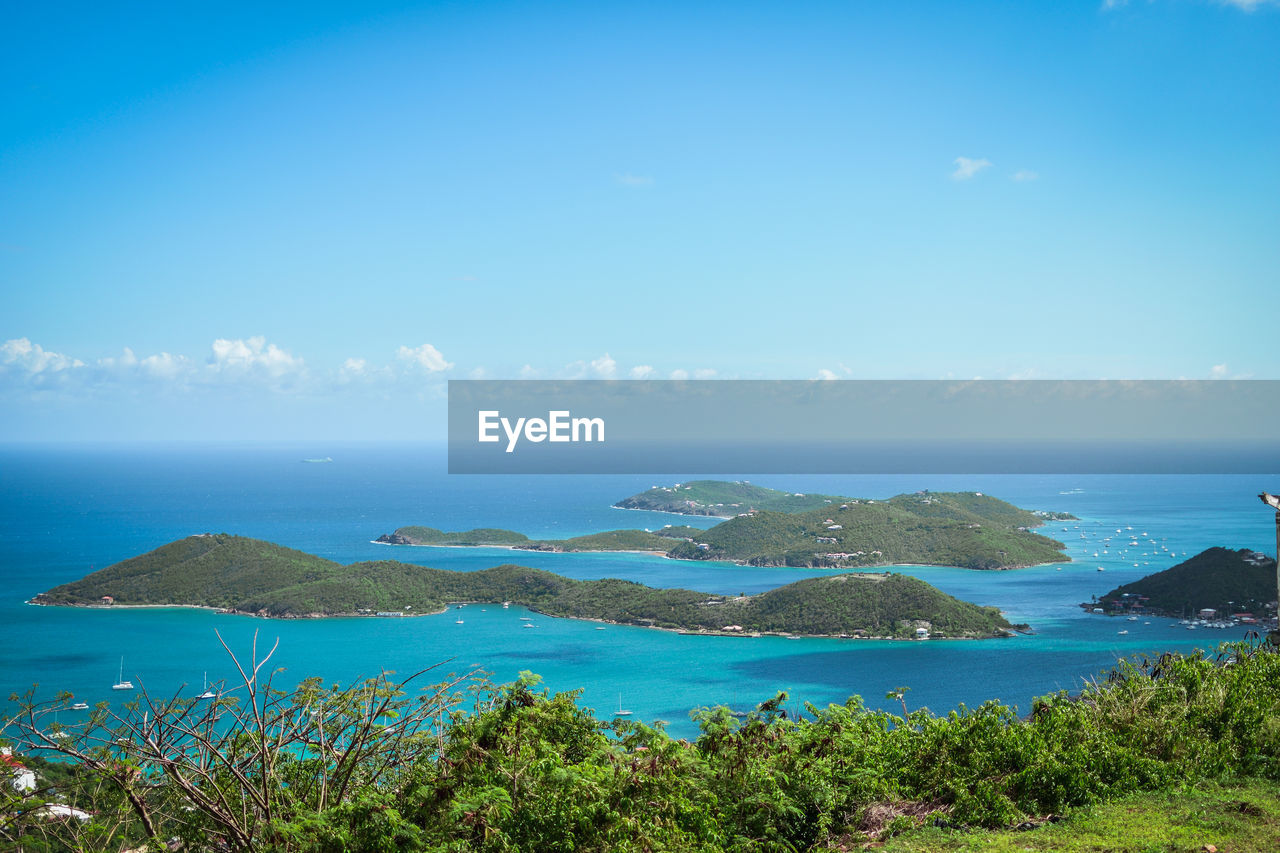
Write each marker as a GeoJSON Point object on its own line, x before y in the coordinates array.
{"type": "Point", "coordinates": [64, 511]}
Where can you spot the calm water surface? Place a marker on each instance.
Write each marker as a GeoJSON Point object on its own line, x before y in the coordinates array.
{"type": "Point", "coordinates": [65, 511]}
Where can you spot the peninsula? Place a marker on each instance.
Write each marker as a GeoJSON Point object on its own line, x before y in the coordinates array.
{"type": "Point", "coordinates": [1219, 579]}
{"type": "Point", "coordinates": [964, 529]}
{"type": "Point", "coordinates": [250, 576]}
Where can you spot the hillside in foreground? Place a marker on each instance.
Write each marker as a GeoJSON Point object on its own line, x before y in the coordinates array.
{"type": "Point", "coordinates": [1172, 753]}
{"type": "Point", "coordinates": [251, 576]}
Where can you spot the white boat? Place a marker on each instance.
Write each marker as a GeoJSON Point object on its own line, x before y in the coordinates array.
{"type": "Point", "coordinates": [1133, 618]}
{"type": "Point", "coordinates": [457, 622]}
{"type": "Point", "coordinates": [529, 625]}
{"type": "Point", "coordinates": [207, 694]}
{"type": "Point", "coordinates": [1122, 632]}
{"type": "Point", "coordinates": [80, 706]}
{"type": "Point", "coordinates": [621, 712]}
{"type": "Point", "coordinates": [526, 618]}
{"type": "Point", "coordinates": [121, 684]}
{"type": "Point", "coordinates": [1101, 569]}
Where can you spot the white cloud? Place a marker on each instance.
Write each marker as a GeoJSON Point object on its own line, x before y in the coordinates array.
{"type": "Point", "coordinates": [704, 373]}
{"type": "Point", "coordinates": [529, 372]}
{"type": "Point", "coordinates": [679, 374]}
{"type": "Point", "coordinates": [239, 355]}
{"type": "Point", "coordinates": [604, 366]}
{"type": "Point", "coordinates": [967, 168]}
{"type": "Point", "coordinates": [478, 373]}
{"type": "Point", "coordinates": [126, 359]}
{"type": "Point", "coordinates": [824, 373]}
{"type": "Point", "coordinates": [426, 357]}
{"type": "Point", "coordinates": [163, 365]}
{"type": "Point", "coordinates": [628, 180]}
{"type": "Point", "coordinates": [1025, 175]}
{"type": "Point", "coordinates": [1218, 371]}
{"type": "Point", "coordinates": [641, 371]}
{"type": "Point", "coordinates": [354, 366]}
{"type": "Point", "coordinates": [21, 354]}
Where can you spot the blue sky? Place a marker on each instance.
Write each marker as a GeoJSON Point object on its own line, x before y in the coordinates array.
{"type": "Point", "coordinates": [220, 221]}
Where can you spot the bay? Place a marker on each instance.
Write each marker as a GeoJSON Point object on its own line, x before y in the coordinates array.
{"type": "Point", "coordinates": [65, 510]}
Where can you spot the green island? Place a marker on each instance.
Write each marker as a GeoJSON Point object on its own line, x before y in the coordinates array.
{"type": "Point", "coordinates": [723, 499]}
{"type": "Point", "coordinates": [966, 529]}
{"type": "Point", "coordinates": [1229, 582]}
{"type": "Point", "coordinates": [610, 540]}
{"type": "Point", "coordinates": [1169, 753]}
{"type": "Point", "coordinates": [243, 575]}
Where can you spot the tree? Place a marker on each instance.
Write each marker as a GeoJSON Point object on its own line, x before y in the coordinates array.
{"type": "Point", "coordinates": [255, 767]}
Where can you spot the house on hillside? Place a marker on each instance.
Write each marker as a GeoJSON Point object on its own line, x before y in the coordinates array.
{"type": "Point", "coordinates": [22, 778]}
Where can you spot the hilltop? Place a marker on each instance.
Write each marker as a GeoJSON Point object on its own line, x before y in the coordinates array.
{"type": "Point", "coordinates": [966, 529]}
{"type": "Point", "coordinates": [251, 576]}
{"type": "Point", "coordinates": [1218, 578]}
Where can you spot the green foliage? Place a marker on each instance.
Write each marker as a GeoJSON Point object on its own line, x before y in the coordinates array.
{"type": "Point", "coordinates": [881, 605]}
{"type": "Point", "coordinates": [953, 529]}
{"type": "Point", "coordinates": [525, 769]}
{"type": "Point", "coordinates": [416, 535]}
{"type": "Point", "coordinates": [766, 527]}
{"type": "Point", "coordinates": [721, 498]}
{"type": "Point", "coordinates": [213, 570]}
{"type": "Point", "coordinates": [610, 540]}
{"type": "Point", "coordinates": [1211, 578]}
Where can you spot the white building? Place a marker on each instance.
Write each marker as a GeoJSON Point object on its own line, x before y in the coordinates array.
{"type": "Point", "coordinates": [23, 779]}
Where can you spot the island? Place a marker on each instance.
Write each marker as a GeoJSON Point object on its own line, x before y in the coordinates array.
{"type": "Point", "coordinates": [965, 529]}
{"type": "Point", "coordinates": [238, 574]}
{"type": "Point", "coordinates": [723, 499]}
{"type": "Point", "coordinates": [1239, 584]}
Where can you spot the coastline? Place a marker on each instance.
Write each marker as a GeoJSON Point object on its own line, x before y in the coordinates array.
{"type": "Point", "coordinates": [672, 512]}
{"type": "Point", "coordinates": [662, 554]}
{"type": "Point", "coordinates": [1066, 558]}
{"type": "Point", "coordinates": [688, 632]}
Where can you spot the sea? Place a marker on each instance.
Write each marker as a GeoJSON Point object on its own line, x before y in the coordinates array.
{"type": "Point", "coordinates": [68, 510]}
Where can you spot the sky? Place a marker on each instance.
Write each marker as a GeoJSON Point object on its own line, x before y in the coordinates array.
{"type": "Point", "coordinates": [237, 222]}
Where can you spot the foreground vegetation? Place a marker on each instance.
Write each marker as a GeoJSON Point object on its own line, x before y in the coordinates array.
{"type": "Point", "coordinates": [251, 576]}
{"type": "Point", "coordinates": [471, 766]}
{"type": "Point", "coordinates": [1242, 816]}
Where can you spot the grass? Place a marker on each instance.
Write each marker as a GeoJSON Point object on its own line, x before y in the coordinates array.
{"type": "Point", "coordinates": [1242, 816]}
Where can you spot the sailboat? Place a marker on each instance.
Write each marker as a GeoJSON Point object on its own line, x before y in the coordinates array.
{"type": "Point", "coordinates": [121, 684]}
{"type": "Point", "coordinates": [207, 694]}
{"type": "Point", "coordinates": [620, 712]}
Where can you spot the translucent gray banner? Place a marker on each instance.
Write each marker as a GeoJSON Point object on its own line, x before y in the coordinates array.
{"type": "Point", "coordinates": [863, 427]}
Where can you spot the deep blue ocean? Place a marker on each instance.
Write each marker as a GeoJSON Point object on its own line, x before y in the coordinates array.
{"type": "Point", "coordinates": [65, 511]}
